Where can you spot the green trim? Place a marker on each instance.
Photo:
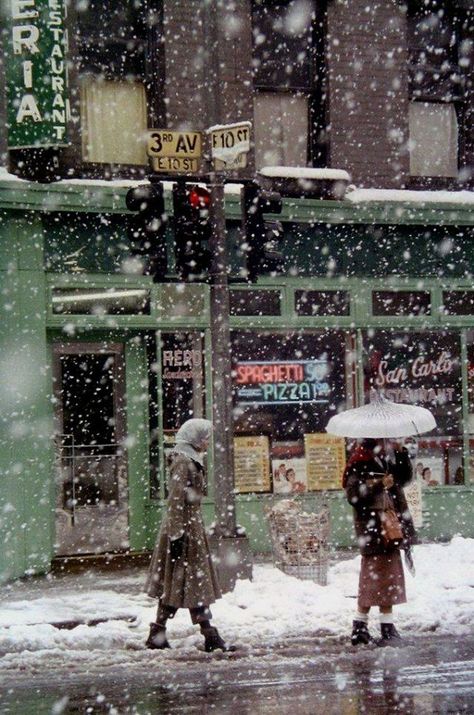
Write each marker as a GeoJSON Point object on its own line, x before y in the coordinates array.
{"type": "Point", "coordinates": [109, 197]}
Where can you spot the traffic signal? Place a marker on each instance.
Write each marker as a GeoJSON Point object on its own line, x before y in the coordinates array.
{"type": "Point", "coordinates": [147, 228]}
{"type": "Point", "coordinates": [192, 231]}
{"type": "Point", "coordinates": [262, 236]}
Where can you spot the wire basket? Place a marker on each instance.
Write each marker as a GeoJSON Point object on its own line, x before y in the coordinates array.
{"type": "Point", "coordinates": [300, 541]}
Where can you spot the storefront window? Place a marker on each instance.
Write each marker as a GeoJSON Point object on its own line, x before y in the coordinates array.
{"type": "Point", "coordinates": [422, 368]}
{"type": "Point", "coordinates": [179, 358]}
{"type": "Point", "coordinates": [286, 387]}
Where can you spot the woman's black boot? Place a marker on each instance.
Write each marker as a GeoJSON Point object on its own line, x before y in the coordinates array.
{"type": "Point", "coordinates": [360, 633]}
{"type": "Point", "coordinates": [213, 641]}
{"type": "Point", "coordinates": [390, 635]}
{"type": "Point", "coordinates": [157, 637]}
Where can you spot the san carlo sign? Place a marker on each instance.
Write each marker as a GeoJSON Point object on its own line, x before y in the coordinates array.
{"type": "Point", "coordinates": [36, 73]}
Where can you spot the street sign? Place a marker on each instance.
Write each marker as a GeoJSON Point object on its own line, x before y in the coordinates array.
{"type": "Point", "coordinates": [230, 144]}
{"type": "Point", "coordinates": [174, 152]}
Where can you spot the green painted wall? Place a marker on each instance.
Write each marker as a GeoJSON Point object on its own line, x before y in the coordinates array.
{"type": "Point", "coordinates": [26, 448]}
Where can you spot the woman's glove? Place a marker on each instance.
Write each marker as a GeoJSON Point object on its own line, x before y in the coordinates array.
{"type": "Point", "coordinates": [176, 548]}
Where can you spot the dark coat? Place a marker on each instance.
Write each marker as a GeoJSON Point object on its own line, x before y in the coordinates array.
{"type": "Point", "coordinates": [191, 580]}
{"type": "Point", "coordinates": [365, 492]}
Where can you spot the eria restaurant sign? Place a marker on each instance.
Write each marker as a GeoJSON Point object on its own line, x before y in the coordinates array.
{"type": "Point", "coordinates": [36, 73]}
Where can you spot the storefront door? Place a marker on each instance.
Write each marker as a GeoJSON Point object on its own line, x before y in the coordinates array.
{"type": "Point", "coordinates": [91, 467]}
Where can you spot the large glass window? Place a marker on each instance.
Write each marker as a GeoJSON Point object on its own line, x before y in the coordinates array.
{"type": "Point", "coordinates": [422, 368]}
{"type": "Point", "coordinates": [281, 129]}
{"type": "Point", "coordinates": [286, 387]}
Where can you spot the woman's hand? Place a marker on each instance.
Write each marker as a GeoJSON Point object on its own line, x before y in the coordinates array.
{"type": "Point", "coordinates": [388, 481]}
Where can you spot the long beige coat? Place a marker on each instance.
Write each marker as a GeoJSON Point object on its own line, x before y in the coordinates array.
{"type": "Point", "coordinates": [191, 581]}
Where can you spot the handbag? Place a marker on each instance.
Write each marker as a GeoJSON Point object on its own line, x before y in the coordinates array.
{"type": "Point", "coordinates": [391, 528]}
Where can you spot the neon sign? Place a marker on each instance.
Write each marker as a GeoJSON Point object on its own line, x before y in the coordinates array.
{"type": "Point", "coordinates": [283, 382]}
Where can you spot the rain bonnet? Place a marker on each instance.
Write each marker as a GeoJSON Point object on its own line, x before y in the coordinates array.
{"type": "Point", "coordinates": [191, 436]}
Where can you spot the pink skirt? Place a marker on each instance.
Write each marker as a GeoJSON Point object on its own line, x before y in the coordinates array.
{"type": "Point", "coordinates": [381, 580]}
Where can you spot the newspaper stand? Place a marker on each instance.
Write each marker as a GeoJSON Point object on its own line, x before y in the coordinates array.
{"type": "Point", "coordinates": [300, 540]}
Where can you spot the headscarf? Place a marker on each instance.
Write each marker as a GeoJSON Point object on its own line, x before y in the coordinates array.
{"type": "Point", "coordinates": [190, 437]}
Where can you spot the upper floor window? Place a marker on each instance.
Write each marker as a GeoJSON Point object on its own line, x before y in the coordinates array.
{"type": "Point", "coordinates": [111, 41]}
{"type": "Point", "coordinates": [288, 74]}
{"type": "Point", "coordinates": [433, 129]}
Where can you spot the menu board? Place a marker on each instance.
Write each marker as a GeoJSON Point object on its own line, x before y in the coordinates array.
{"type": "Point", "coordinates": [325, 461]}
{"type": "Point", "coordinates": [252, 464]}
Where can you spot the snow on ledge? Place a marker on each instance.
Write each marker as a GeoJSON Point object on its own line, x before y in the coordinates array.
{"type": "Point", "coordinates": [357, 196]}
{"type": "Point", "coordinates": [304, 172]}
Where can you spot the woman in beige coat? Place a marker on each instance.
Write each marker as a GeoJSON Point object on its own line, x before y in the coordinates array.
{"type": "Point", "coordinates": [181, 572]}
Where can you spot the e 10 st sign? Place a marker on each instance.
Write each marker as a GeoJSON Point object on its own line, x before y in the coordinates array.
{"type": "Point", "coordinates": [36, 73]}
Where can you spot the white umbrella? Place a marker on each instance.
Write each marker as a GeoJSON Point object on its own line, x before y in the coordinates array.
{"type": "Point", "coordinates": [382, 418]}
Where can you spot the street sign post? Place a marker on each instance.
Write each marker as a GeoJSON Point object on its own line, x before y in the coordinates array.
{"type": "Point", "coordinates": [174, 152]}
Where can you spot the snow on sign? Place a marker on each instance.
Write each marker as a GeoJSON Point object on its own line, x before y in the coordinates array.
{"type": "Point", "coordinates": [174, 151]}
{"type": "Point", "coordinates": [230, 144]}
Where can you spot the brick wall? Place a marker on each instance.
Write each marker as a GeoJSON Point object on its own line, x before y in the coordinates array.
{"type": "Point", "coordinates": [197, 38]}
{"type": "Point", "coordinates": [368, 93]}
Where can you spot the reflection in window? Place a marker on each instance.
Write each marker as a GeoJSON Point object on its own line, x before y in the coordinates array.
{"type": "Point", "coordinates": [388, 302]}
{"type": "Point", "coordinates": [101, 301]}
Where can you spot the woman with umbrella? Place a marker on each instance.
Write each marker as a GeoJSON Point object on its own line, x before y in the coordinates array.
{"type": "Point", "coordinates": [181, 573]}
{"type": "Point", "coordinates": [382, 520]}
{"type": "Point", "coordinates": [373, 486]}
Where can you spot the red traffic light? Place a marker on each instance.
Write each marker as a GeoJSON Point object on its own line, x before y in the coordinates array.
{"type": "Point", "coordinates": [199, 198]}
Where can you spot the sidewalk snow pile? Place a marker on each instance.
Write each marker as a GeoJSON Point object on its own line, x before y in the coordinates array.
{"type": "Point", "coordinates": [269, 609]}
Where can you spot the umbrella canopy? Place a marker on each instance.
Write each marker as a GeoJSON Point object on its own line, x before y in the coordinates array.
{"type": "Point", "coordinates": [382, 418]}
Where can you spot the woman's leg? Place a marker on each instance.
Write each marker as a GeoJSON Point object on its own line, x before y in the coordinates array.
{"type": "Point", "coordinates": [360, 626]}
{"type": "Point", "coordinates": [387, 629]}
{"type": "Point", "coordinates": [157, 636]}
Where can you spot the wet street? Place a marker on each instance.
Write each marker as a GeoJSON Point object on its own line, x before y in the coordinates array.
{"type": "Point", "coordinates": [429, 674]}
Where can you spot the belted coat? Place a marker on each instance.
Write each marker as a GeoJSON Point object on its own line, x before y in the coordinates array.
{"type": "Point", "coordinates": [365, 492]}
{"type": "Point", "coordinates": [190, 581]}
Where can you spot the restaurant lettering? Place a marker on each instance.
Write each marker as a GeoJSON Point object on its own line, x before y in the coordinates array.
{"type": "Point", "coordinates": [283, 382]}
{"type": "Point", "coordinates": [421, 367]}
{"type": "Point", "coordinates": [36, 72]}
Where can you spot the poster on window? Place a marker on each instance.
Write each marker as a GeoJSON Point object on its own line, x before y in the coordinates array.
{"type": "Point", "coordinates": [413, 494]}
{"type": "Point", "coordinates": [325, 461]}
{"type": "Point", "coordinates": [252, 464]}
{"type": "Point", "coordinates": [289, 476]}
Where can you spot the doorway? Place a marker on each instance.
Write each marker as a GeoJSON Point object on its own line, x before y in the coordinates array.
{"type": "Point", "coordinates": [91, 465]}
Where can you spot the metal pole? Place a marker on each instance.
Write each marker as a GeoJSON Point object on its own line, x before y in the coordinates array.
{"type": "Point", "coordinates": [223, 457]}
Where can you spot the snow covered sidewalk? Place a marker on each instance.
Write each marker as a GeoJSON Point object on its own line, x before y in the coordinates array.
{"type": "Point", "coordinates": [271, 608]}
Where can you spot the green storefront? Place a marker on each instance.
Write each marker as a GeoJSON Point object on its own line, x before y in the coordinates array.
{"type": "Point", "coordinates": [100, 365]}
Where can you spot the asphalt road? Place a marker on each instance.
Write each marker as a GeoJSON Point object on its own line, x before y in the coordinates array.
{"type": "Point", "coordinates": [429, 674]}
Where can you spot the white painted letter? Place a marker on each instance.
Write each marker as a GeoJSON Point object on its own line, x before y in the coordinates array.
{"type": "Point", "coordinates": [25, 36]}
{"type": "Point", "coordinates": [28, 108]}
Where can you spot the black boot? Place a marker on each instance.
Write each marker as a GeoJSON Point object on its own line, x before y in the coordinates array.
{"type": "Point", "coordinates": [157, 637]}
{"type": "Point", "coordinates": [390, 635]}
{"type": "Point", "coordinates": [360, 633]}
{"type": "Point", "coordinates": [213, 641]}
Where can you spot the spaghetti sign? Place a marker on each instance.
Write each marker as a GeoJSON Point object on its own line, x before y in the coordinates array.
{"type": "Point", "coordinates": [283, 382]}
{"type": "Point", "coordinates": [36, 73]}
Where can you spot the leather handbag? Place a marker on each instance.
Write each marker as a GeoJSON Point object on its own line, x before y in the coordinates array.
{"type": "Point", "coordinates": [392, 532]}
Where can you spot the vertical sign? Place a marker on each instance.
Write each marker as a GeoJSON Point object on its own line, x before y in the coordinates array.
{"type": "Point", "coordinates": [36, 73]}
